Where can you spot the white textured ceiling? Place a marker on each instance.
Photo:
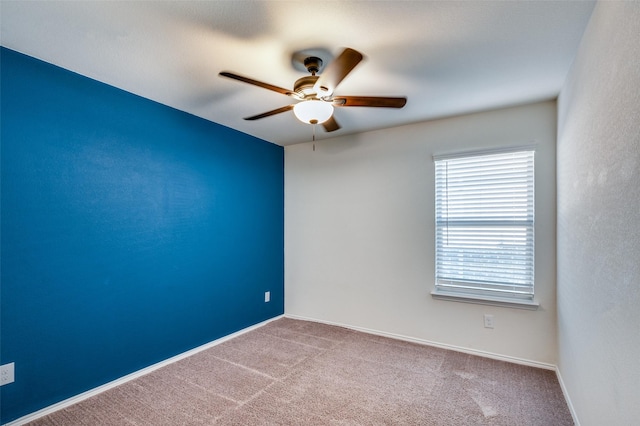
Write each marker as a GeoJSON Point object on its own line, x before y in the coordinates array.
{"type": "Point", "coordinates": [447, 57]}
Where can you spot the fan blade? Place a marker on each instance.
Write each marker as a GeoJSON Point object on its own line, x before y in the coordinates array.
{"type": "Point", "coordinates": [338, 69]}
{"type": "Point", "coordinates": [257, 83]}
{"type": "Point", "coordinates": [269, 113]}
{"type": "Point", "coordinates": [331, 124]}
{"type": "Point", "coordinates": [369, 101]}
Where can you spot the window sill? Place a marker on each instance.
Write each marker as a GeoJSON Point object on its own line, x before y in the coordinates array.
{"type": "Point", "coordinates": [486, 300]}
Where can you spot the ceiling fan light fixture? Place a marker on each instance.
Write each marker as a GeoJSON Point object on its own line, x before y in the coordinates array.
{"type": "Point", "coordinates": [313, 111]}
{"type": "Point", "coordinates": [314, 93]}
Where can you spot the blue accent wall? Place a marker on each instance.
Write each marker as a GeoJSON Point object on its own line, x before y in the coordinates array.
{"type": "Point", "coordinates": [131, 232]}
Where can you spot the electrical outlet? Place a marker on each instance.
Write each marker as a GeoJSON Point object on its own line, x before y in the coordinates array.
{"type": "Point", "coordinates": [488, 321]}
{"type": "Point", "coordinates": [7, 374]}
{"type": "Point", "coordinates": [267, 296]}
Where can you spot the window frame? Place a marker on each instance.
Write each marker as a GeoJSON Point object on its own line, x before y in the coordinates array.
{"type": "Point", "coordinates": [470, 291]}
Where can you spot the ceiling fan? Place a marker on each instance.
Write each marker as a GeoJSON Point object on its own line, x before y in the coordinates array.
{"type": "Point", "coordinates": [315, 92]}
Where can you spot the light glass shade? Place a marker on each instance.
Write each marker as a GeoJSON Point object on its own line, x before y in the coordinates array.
{"type": "Point", "coordinates": [312, 112]}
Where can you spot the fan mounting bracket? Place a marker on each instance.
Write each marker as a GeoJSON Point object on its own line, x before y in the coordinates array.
{"type": "Point", "coordinates": [313, 64]}
{"type": "Point", "coordinates": [299, 57]}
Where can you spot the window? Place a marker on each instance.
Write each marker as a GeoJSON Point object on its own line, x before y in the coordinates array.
{"type": "Point", "coordinates": [485, 227]}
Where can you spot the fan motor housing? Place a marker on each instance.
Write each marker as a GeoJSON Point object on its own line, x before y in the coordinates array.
{"type": "Point", "coordinates": [304, 86]}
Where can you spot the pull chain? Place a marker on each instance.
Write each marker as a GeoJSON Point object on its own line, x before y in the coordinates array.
{"type": "Point", "coordinates": [314, 136]}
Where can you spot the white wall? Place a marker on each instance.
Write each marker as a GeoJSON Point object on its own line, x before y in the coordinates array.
{"type": "Point", "coordinates": [359, 232]}
{"type": "Point", "coordinates": [599, 220]}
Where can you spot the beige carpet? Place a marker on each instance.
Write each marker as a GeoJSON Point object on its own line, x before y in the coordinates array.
{"type": "Point", "coordinates": [293, 372]}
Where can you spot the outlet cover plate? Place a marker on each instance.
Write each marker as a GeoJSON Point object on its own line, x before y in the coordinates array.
{"type": "Point", "coordinates": [7, 374]}
{"type": "Point", "coordinates": [488, 321]}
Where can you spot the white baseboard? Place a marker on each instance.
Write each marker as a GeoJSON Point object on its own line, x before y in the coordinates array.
{"type": "Point", "coordinates": [567, 398]}
{"type": "Point", "coordinates": [95, 391]}
{"type": "Point", "coordinates": [485, 354]}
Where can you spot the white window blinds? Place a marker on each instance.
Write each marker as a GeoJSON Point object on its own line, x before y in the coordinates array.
{"type": "Point", "coordinates": [485, 226]}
